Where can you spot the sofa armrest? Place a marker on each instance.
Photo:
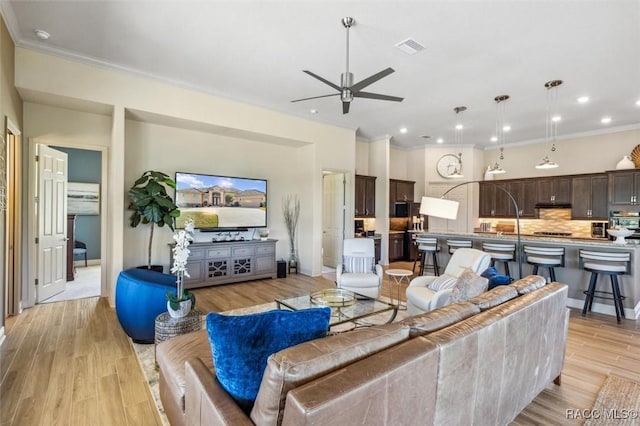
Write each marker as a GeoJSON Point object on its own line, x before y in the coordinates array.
{"type": "Point", "coordinates": [441, 298]}
{"type": "Point", "coordinates": [206, 402]}
{"type": "Point", "coordinates": [338, 273]}
{"type": "Point", "coordinates": [380, 274]}
{"type": "Point", "coordinates": [422, 281]}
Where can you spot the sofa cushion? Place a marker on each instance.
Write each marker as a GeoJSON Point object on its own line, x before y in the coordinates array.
{"type": "Point", "coordinates": [439, 318]}
{"type": "Point", "coordinates": [494, 297]}
{"type": "Point", "coordinates": [443, 282]}
{"type": "Point", "coordinates": [529, 283]}
{"type": "Point", "coordinates": [300, 364]}
{"type": "Point", "coordinates": [468, 286]}
{"type": "Point", "coordinates": [241, 345]}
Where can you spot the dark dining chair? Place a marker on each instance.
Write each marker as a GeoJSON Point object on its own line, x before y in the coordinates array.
{"type": "Point", "coordinates": [80, 249]}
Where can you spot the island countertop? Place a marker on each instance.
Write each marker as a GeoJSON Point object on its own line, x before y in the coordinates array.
{"type": "Point", "coordinates": [571, 273]}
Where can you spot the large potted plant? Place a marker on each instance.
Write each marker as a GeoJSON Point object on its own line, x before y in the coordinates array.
{"type": "Point", "coordinates": [151, 204]}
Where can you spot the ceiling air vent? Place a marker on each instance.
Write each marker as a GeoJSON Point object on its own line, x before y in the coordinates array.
{"type": "Point", "coordinates": [410, 46]}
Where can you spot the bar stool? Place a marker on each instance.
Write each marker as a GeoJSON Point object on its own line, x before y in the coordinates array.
{"type": "Point", "coordinates": [456, 244]}
{"type": "Point", "coordinates": [426, 247]}
{"type": "Point", "coordinates": [605, 263]}
{"type": "Point", "coordinates": [500, 252]}
{"type": "Point", "coordinates": [545, 257]}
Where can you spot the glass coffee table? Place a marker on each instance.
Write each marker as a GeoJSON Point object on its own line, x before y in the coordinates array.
{"type": "Point", "coordinates": [346, 306]}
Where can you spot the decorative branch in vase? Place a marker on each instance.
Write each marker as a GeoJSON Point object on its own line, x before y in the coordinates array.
{"type": "Point", "coordinates": [180, 303]}
{"type": "Point", "coordinates": [291, 213]}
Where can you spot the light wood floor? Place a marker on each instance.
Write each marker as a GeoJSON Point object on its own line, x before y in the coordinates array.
{"type": "Point", "coordinates": [70, 363]}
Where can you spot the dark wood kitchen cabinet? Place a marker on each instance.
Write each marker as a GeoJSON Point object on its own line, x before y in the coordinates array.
{"type": "Point", "coordinates": [493, 201]}
{"type": "Point", "coordinates": [365, 199]}
{"type": "Point", "coordinates": [624, 188]}
{"type": "Point", "coordinates": [525, 194]}
{"type": "Point", "coordinates": [589, 197]}
{"type": "Point", "coordinates": [396, 246]}
{"type": "Point", "coordinates": [554, 190]}
{"type": "Point", "coordinates": [399, 191]}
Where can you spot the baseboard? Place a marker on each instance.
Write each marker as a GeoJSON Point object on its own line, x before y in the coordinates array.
{"type": "Point", "coordinates": [90, 262]}
{"type": "Point", "coordinates": [1, 335]}
{"type": "Point", "coordinates": [601, 308]}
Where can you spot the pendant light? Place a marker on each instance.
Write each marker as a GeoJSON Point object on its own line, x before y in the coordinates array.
{"type": "Point", "coordinates": [552, 121]}
{"type": "Point", "coordinates": [497, 169]}
{"type": "Point", "coordinates": [459, 137]}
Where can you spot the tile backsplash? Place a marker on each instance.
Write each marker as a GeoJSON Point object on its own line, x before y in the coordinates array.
{"type": "Point", "coordinates": [551, 220]}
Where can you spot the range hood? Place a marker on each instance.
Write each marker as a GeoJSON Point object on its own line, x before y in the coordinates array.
{"type": "Point", "coordinates": [551, 205]}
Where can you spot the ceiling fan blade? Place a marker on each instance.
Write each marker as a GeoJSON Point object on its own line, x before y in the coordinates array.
{"type": "Point", "coordinates": [316, 97]}
{"type": "Point", "coordinates": [370, 80]}
{"type": "Point", "coordinates": [377, 96]}
{"type": "Point", "coordinates": [345, 107]}
{"type": "Point", "coordinates": [325, 81]}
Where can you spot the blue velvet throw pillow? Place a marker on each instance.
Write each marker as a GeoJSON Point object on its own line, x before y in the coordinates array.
{"type": "Point", "coordinates": [495, 279]}
{"type": "Point", "coordinates": [241, 345]}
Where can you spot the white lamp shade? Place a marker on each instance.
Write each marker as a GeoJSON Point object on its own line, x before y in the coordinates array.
{"type": "Point", "coordinates": [439, 207]}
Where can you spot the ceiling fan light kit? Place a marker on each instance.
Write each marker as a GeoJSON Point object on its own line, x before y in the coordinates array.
{"type": "Point", "coordinates": [347, 89]}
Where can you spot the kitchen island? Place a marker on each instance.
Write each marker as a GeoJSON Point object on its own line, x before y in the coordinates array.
{"type": "Point", "coordinates": [571, 274]}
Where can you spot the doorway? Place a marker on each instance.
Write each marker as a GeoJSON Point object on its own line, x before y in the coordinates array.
{"type": "Point", "coordinates": [83, 274]}
{"type": "Point", "coordinates": [13, 225]}
{"type": "Point", "coordinates": [333, 219]}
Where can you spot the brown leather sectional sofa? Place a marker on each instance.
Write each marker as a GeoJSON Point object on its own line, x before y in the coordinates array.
{"type": "Point", "coordinates": [476, 362]}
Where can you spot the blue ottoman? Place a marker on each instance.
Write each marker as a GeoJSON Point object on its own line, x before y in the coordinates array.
{"type": "Point", "coordinates": [140, 298]}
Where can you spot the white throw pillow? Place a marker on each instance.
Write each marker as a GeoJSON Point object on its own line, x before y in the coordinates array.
{"type": "Point", "coordinates": [442, 282]}
{"type": "Point", "coordinates": [358, 264]}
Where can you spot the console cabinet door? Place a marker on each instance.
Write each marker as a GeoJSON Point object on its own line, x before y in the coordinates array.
{"type": "Point", "coordinates": [396, 246]}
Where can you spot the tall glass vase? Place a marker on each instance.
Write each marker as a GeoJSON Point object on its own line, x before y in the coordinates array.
{"type": "Point", "coordinates": [293, 256]}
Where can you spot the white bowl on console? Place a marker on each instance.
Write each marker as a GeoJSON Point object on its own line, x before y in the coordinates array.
{"type": "Point", "coordinates": [620, 234]}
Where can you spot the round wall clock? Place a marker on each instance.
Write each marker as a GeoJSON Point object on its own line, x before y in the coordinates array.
{"type": "Point", "coordinates": [447, 164]}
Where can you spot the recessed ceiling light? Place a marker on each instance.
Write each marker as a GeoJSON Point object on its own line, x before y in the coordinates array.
{"type": "Point", "coordinates": [583, 99]}
{"type": "Point", "coordinates": [403, 130]}
{"type": "Point", "coordinates": [556, 118]}
{"type": "Point", "coordinates": [605, 120]}
{"type": "Point", "coordinates": [440, 140]}
{"type": "Point", "coordinates": [638, 102]}
{"type": "Point", "coordinates": [42, 35]}
{"type": "Point", "coordinates": [506, 128]}
{"type": "Point", "coordinates": [313, 111]}
{"type": "Point", "coordinates": [459, 127]}
{"type": "Point", "coordinates": [494, 139]}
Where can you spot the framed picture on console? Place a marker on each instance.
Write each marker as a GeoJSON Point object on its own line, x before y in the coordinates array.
{"type": "Point", "coordinates": [83, 198]}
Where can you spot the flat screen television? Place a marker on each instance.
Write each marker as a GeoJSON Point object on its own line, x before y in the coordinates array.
{"type": "Point", "coordinates": [221, 202]}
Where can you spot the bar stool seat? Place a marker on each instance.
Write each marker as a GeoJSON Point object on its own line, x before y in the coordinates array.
{"type": "Point", "coordinates": [427, 246]}
{"type": "Point", "coordinates": [456, 244]}
{"type": "Point", "coordinates": [546, 257]}
{"type": "Point", "coordinates": [500, 252]}
{"type": "Point", "coordinates": [604, 263]}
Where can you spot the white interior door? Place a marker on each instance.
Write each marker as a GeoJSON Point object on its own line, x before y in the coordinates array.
{"type": "Point", "coordinates": [52, 222]}
{"type": "Point", "coordinates": [332, 219]}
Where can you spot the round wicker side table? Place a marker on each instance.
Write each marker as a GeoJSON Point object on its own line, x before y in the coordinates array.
{"type": "Point", "coordinates": [168, 327]}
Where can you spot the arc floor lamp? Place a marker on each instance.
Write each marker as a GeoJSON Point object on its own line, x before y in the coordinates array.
{"type": "Point", "coordinates": [448, 209]}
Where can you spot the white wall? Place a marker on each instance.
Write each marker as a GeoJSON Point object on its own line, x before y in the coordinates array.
{"type": "Point", "coordinates": [585, 154]}
{"type": "Point", "coordinates": [290, 150]}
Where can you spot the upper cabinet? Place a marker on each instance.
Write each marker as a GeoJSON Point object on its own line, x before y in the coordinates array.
{"type": "Point", "coordinates": [624, 188]}
{"type": "Point", "coordinates": [589, 197]}
{"type": "Point", "coordinates": [399, 191]}
{"type": "Point", "coordinates": [493, 201]}
{"type": "Point", "coordinates": [525, 193]}
{"type": "Point", "coordinates": [365, 200]}
{"type": "Point", "coordinates": [554, 190]}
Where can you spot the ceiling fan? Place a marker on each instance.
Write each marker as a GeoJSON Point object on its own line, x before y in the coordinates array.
{"type": "Point", "coordinates": [347, 89]}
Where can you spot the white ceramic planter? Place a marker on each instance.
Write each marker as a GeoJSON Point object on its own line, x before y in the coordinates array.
{"type": "Point", "coordinates": [185, 308]}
